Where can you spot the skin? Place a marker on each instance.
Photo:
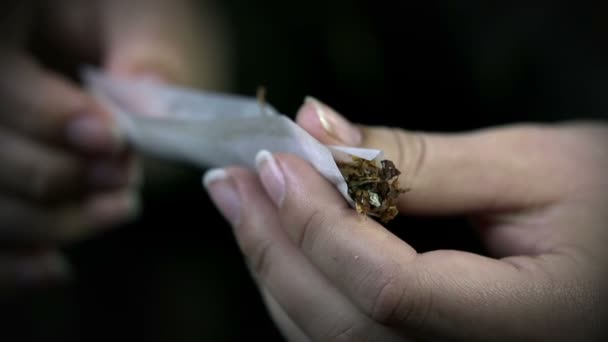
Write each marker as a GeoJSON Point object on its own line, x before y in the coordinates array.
{"type": "Point", "coordinates": [537, 194]}
{"type": "Point", "coordinates": [66, 172]}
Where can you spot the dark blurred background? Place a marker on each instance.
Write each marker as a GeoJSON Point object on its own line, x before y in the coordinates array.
{"type": "Point", "coordinates": [177, 275]}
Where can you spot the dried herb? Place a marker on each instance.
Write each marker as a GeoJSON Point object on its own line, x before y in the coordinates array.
{"type": "Point", "coordinates": [374, 188]}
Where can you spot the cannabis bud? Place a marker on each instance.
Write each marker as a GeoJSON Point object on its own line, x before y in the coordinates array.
{"type": "Point", "coordinates": [374, 188]}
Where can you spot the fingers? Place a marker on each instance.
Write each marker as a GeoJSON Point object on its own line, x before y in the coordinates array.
{"type": "Point", "coordinates": [312, 303]}
{"type": "Point", "coordinates": [499, 169]}
{"type": "Point", "coordinates": [36, 171]}
{"type": "Point", "coordinates": [43, 173]}
{"type": "Point", "coordinates": [360, 257]}
{"type": "Point", "coordinates": [48, 196]}
{"type": "Point", "coordinates": [436, 295]}
{"type": "Point", "coordinates": [64, 171]}
{"type": "Point", "coordinates": [26, 223]}
{"type": "Point", "coordinates": [22, 270]}
{"type": "Point", "coordinates": [41, 105]}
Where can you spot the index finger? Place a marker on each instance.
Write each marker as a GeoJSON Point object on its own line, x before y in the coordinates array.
{"type": "Point", "coordinates": [507, 168]}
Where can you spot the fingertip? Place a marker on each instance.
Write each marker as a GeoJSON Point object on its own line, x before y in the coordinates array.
{"type": "Point", "coordinates": [303, 182]}
{"type": "Point", "coordinates": [271, 176]}
{"type": "Point", "coordinates": [113, 174]}
{"type": "Point", "coordinates": [224, 194]}
{"type": "Point", "coordinates": [307, 117]}
{"type": "Point", "coordinates": [110, 209]}
{"type": "Point", "coordinates": [93, 133]}
{"type": "Point", "coordinates": [327, 125]}
{"type": "Point", "coordinates": [261, 157]}
{"type": "Point", "coordinates": [213, 175]}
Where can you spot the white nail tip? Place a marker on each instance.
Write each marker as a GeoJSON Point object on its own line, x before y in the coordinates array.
{"type": "Point", "coordinates": [320, 113]}
{"type": "Point", "coordinates": [262, 156]}
{"type": "Point", "coordinates": [213, 175]}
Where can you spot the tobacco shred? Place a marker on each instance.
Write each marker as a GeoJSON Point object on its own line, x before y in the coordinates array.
{"type": "Point", "coordinates": [374, 189]}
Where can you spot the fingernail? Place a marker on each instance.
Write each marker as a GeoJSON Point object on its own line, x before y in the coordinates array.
{"type": "Point", "coordinates": [105, 174]}
{"type": "Point", "coordinates": [224, 194]}
{"type": "Point", "coordinates": [334, 124]}
{"type": "Point", "coordinates": [90, 134]}
{"type": "Point", "coordinates": [110, 209]}
{"type": "Point", "coordinates": [271, 176]}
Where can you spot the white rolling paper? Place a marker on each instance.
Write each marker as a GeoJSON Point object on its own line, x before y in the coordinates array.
{"type": "Point", "coordinates": [211, 129]}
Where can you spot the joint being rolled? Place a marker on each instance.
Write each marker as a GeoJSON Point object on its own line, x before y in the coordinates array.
{"type": "Point", "coordinates": [373, 186]}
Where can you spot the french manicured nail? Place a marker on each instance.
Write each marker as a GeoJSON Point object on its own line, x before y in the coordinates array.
{"type": "Point", "coordinates": [91, 134]}
{"type": "Point", "coordinates": [334, 124]}
{"type": "Point", "coordinates": [271, 176]}
{"type": "Point", "coordinates": [222, 191]}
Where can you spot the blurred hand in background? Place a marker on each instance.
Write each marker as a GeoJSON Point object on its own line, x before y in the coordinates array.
{"type": "Point", "coordinates": [66, 171]}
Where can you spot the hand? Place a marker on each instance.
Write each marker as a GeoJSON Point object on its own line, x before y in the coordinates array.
{"type": "Point", "coordinates": [66, 173]}
{"type": "Point", "coordinates": [536, 192]}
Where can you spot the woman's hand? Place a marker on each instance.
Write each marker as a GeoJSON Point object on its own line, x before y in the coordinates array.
{"type": "Point", "coordinates": [537, 193]}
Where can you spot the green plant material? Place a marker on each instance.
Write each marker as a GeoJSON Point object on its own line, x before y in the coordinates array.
{"type": "Point", "coordinates": [374, 188]}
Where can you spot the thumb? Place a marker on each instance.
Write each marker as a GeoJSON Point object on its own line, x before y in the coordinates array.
{"type": "Point", "coordinates": [492, 169]}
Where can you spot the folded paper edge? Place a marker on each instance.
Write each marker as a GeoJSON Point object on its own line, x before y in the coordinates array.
{"type": "Point", "coordinates": [95, 81]}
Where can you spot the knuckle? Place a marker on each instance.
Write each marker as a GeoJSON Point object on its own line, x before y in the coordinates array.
{"type": "Point", "coordinates": [396, 302]}
{"type": "Point", "coordinates": [260, 260]}
{"type": "Point", "coordinates": [348, 330]}
{"type": "Point", "coordinates": [342, 335]}
{"type": "Point", "coordinates": [388, 301]}
{"type": "Point", "coordinates": [412, 151]}
{"type": "Point", "coordinates": [308, 232]}
{"type": "Point", "coordinates": [256, 250]}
